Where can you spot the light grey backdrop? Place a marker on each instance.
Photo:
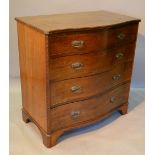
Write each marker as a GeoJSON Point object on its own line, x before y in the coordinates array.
{"type": "Point", "coordinates": [133, 8]}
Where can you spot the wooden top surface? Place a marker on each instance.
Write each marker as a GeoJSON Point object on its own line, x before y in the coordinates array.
{"type": "Point", "coordinates": [56, 22]}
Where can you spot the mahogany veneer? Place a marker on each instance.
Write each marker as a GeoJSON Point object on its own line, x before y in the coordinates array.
{"type": "Point", "coordinates": [75, 69]}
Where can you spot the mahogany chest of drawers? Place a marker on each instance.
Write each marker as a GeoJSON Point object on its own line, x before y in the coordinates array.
{"type": "Point", "coordinates": [75, 69]}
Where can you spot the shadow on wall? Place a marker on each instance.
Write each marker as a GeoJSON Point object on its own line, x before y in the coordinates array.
{"type": "Point", "coordinates": [138, 76]}
{"type": "Point", "coordinates": [135, 99]}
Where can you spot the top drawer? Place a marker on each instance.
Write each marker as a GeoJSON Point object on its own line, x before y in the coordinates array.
{"type": "Point", "coordinates": [84, 42]}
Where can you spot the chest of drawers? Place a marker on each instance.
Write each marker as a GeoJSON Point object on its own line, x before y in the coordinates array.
{"type": "Point", "coordinates": [75, 69]}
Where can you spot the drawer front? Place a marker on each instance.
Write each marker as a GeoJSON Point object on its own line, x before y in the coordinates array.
{"type": "Point", "coordinates": [84, 42]}
{"type": "Point", "coordinates": [89, 64]}
{"type": "Point", "coordinates": [82, 88]}
{"type": "Point", "coordinates": [87, 110]}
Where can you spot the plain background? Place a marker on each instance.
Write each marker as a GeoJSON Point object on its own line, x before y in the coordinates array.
{"type": "Point", "coordinates": [134, 126]}
{"type": "Point", "coordinates": [150, 76]}
{"type": "Point", "coordinates": [133, 8]}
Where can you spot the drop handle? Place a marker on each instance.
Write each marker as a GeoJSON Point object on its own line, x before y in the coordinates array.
{"type": "Point", "coordinates": [119, 56]}
{"type": "Point", "coordinates": [77, 43]}
{"type": "Point", "coordinates": [77, 65]}
{"type": "Point", "coordinates": [112, 99]}
{"type": "Point", "coordinates": [116, 77]}
{"type": "Point", "coordinates": [75, 114]}
{"type": "Point", "coordinates": [121, 36]}
{"type": "Point", "coordinates": [76, 89]}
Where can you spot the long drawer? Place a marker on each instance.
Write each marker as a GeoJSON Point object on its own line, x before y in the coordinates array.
{"type": "Point", "coordinates": [84, 42]}
{"type": "Point", "coordinates": [89, 64]}
{"type": "Point", "coordinates": [87, 110]}
{"type": "Point", "coordinates": [80, 88]}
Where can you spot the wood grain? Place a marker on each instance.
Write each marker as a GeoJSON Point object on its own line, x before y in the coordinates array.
{"type": "Point", "coordinates": [50, 140]}
{"type": "Point", "coordinates": [58, 96]}
{"type": "Point", "coordinates": [89, 109]}
{"type": "Point", "coordinates": [32, 56]}
{"type": "Point", "coordinates": [74, 21]}
{"type": "Point", "coordinates": [92, 63]}
{"type": "Point", "coordinates": [61, 45]}
{"type": "Point", "coordinates": [89, 86]}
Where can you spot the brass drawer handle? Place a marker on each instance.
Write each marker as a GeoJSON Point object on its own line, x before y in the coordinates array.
{"type": "Point", "coordinates": [121, 36]}
{"type": "Point", "coordinates": [77, 43]}
{"type": "Point", "coordinates": [119, 56]}
{"type": "Point", "coordinates": [76, 89]}
{"type": "Point", "coordinates": [116, 77]}
{"type": "Point", "coordinates": [112, 99]}
{"type": "Point", "coordinates": [75, 114]}
{"type": "Point", "coordinates": [77, 65]}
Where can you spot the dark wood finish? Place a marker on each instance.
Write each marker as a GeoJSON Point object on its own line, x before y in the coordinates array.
{"type": "Point", "coordinates": [88, 109]}
{"type": "Point", "coordinates": [89, 86]}
{"type": "Point", "coordinates": [50, 140]}
{"type": "Point", "coordinates": [93, 41]}
{"type": "Point", "coordinates": [123, 109]}
{"type": "Point", "coordinates": [75, 69]}
{"type": "Point", "coordinates": [92, 63]}
{"type": "Point", "coordinates": [25, 117]}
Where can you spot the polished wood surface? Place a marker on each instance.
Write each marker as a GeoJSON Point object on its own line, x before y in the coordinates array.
{"type": "Point", "coordinates": [88, 109]}
{"type": "Point", "coordinates": [91, 63]}
{"type": "Point", "coordinates": [74, 21]}
{"type": "Point", "coordinates": [93, 41]}
{"type": "Point", "coordinates": [50, 140]}
{"type": "Point", "coordinates": [89, 86]}
{"type": "Point", "coordinates": [75, 69]}
{"type": "Point", "coordinates": [33, 69]}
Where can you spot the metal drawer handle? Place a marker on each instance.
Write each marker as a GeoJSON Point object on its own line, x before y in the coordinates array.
{"type": "Point", "coordinates": [76, 89]}
{"type": "Point", "coordinates": [121, 36]}
{"type": "Point", "coordinates": [112, 99]}
{"type": "Point", "coordinates": [77, 65]}
{"type": "Point", "coordinates": [75, 114]}
{"type": "Point", "coordinates": [77, 43]}
{"type": "Point", "coordinates": [119, 56]}
{"type": "Point", "coordinates": [116, 77]}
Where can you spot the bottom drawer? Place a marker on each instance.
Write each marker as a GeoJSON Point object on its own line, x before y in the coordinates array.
{"type": "Point", "coordinates": [76, 112]}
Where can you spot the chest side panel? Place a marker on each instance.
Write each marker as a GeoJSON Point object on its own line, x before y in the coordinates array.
{"type": "Point", "coordinates": [33, 59]}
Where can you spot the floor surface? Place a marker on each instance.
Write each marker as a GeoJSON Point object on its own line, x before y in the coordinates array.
{"type": "Point", "coordinates": [115, 135]}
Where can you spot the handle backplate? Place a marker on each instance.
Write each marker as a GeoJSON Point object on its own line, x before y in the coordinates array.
{"type": "Point", "coordinates": [121, 36]}
{"type": "Point", "coordinates": [112, 99]}
{"type": "Point", "coordinates": [76, 89]}
{"type": "Point", "coordinates": [119, 56]}
{"type": "Point", "coordinates": [77, 65]}
{"type": "Point", "coordinates": [75, 114]}
{"type": "Point", "coordinates": [116, 77]}
{"type": "Point", "coordinates": [77, 43]}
